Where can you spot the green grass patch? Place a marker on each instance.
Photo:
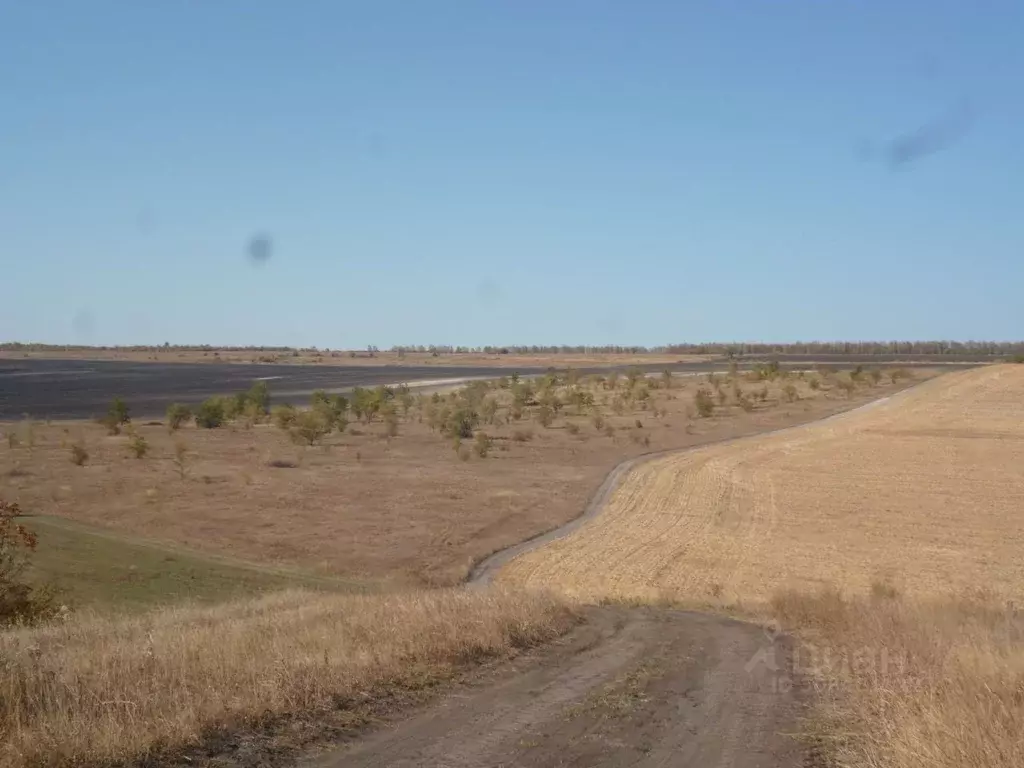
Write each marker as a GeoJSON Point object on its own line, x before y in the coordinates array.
{"type": "Point", "coordinates": [96, 568]}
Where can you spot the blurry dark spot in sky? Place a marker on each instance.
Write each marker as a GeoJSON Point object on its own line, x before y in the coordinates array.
{"type": "Point", "coordinates": [145, 221]}
{"type": "Point", "coordinates": [84, 323]}
{"type": "Point", "coordinates": [488, 291]}
{"type": "Point", "coordinates": [260, 248]}
{"type": "Point", "coordinates": [376, 145]}
{"type": "Point", "coordinates": [934, 136]}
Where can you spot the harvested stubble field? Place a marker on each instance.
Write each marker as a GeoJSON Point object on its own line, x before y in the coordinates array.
{"type": "Point", "coordinates": [923, 491]}
{"type": "Point", "coordinates": [409, 508]}
{"type": "Point", "coordinates": [890, 538]}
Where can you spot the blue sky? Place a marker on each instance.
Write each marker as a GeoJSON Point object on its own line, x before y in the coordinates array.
{"type": "Point", "coordinates": [509, 172]}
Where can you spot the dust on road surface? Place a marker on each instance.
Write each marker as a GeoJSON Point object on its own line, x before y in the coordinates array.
{"type": "Point", "coordinates": [629, 686]}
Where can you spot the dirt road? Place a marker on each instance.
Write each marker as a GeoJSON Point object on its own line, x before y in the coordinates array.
{"type": "Point", "coordinates": [630, 686]}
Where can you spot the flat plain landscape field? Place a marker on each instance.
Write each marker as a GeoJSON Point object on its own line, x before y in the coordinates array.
{"type": "Point", "coordinates": [923, 491]}
{"type": "Point", "coordinates": [394, 499]}
{"type": "Point", "coordinates": [889, 538]}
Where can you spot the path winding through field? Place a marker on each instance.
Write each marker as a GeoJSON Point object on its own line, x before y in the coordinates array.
{"type": "Point", "coordinates": [630, 686]}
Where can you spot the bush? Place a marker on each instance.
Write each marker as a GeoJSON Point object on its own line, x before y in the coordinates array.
{"type": "Point", "coordinates": [482, 445]}
{"type": "Point", "coordinates": [284, 416]}
{"type": "Point", "coordinates": [461, 422]}
{"type": "Point", "coordinates": [20, 603]}
{"type": "Point", "coordinates": [79, 455]}
{"type": "Point", "coordinates": [876, 376]}
{"type": "Point", "coordinates": [790, 394]}
{"type": "Point", "coordinates": [572, 429]}
{"type": "Point", "coordinates": [522, 435]}
{"type": "Point", "coordinates": [814, 383]}
{"type": "Point", "coordinates": [138, 446]}
{"type": "Point", "coordinates": [488, 409]}
{"type": "Point", "coordinates": [899, 373]}
{"type": "Point", "coordinates": [211, 413]}
{"type": "Point", "coordinates": [118, 412]}
{"type": "Point", "coordinates": [258, 398]}
{"type": "Point", "coordinates": [545, 415]}
{"type": "Point", "coordinates": [704, 403]}
{"type": "Point", "coordinates": [178, 415]}
{"type": "Point", "coordinates": [598, 422]}
{"type": "Point", "coordinates": [310, 427]}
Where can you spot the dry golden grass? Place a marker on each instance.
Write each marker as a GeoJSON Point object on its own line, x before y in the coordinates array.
{"type": "Point", "coordinates": [924, 491]}
{"type": "Point", "coordinates": [365, 507]}
{"type": "Point", "coordinates": [100, 689]}
{"type": "Point", "coordinates": [913, 505]}
{"type": "Point", "coordinates": [903, 684]}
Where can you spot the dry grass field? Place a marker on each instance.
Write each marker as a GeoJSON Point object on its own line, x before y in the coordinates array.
{"type": "Point", "coordinates": [406, 509]}
{"type": "Point", "coordinates": [96, 690]}
{"type": "Point", "coordinates": [923, 492]}
{"type": "Point", "coordinates": [891, 537]}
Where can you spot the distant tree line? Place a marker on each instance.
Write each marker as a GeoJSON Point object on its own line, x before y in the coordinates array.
{"type": "Point", "coordinates": [994, 348]}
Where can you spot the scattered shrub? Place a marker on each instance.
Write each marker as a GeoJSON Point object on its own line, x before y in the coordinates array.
{"type": "Point", "coordinates": [572, 429]}
{"type": "Point", "coordinates": [138, 446]}
{"type": "Point", "coordinates": [814, 383]}
{"type": "Point", "coordinates": [211, 414]}
{"type": "Point", "coordinates": [598, 422]}
{"type": "Point", "coordinates": [522, 435]}
{"type": "Point", "coordinates": [118, 412]}
{"type": "Point", "coordinates": [488, 409]}
{"type": "Point", "coordinates": [789, 393]}
{"type": "Point", "coordinates": [309, 427]}
{"type": "Point", "coordinates": [462, 421]}
{"type": "Point", "coordinates": [178, 415]}
{"type": "Point", "coordinates": [639, 424]}
{"type": "Point", "coordinates": [20, 603]}
{"type": "Point", "coordinates": [79, 455]}
{"type": "Point", "coordinates": [181, 459]}
{"type": "Point", "coordinates": [876, 376]}
{"type": "Point", "coordinates": [482, 445]}
{"type": "Point", "coordinates": [704, 403]}
{"type": "Point", "coordinates": [545, 415]}
{"type": "Point", "coordinates": [284, 416]}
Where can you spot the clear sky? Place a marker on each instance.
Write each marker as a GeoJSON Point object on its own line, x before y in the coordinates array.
{"type": "Point", "coordinates": [516, 171]}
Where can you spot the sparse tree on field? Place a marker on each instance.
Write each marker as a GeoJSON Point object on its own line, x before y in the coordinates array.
{"type": "Point", "coordinates": [138, 446]}
{"type": "Point", "coordinates": [212, 413]}
{"type": "Point", "coordinates": [488, 409]}
{"type": "Point", "coordinates": [310, 427]}
{"type": "Point", "coordinates": [178, 415]}
{"type": "Point", "coordinates": [181, 459]}
{"type": "Point", "coordinates": [20, 602]}
{"type": "Point", "coordinates": [704, 402]}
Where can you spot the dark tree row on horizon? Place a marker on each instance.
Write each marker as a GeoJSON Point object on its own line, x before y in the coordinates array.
{"type": "Point", "coordinates": [939, 347]}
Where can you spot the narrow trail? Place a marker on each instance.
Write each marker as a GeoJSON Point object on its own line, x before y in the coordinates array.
{"type": "Point", "coordinates": [627, 687]}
